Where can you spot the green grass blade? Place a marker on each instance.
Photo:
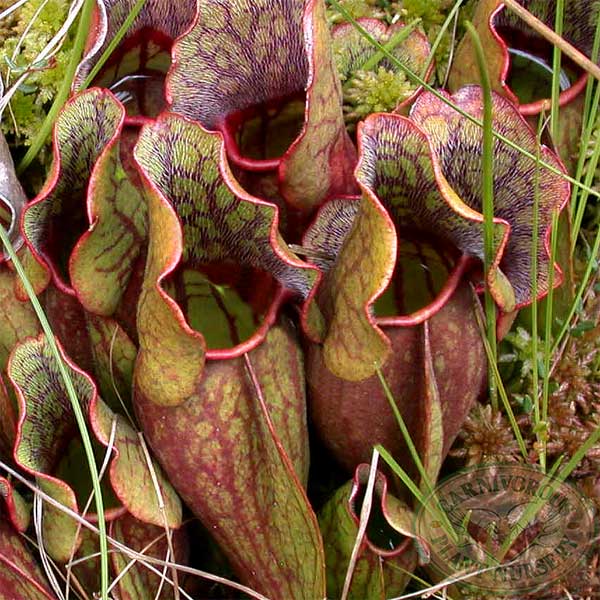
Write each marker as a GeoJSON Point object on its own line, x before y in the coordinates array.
{"type": "Point", "coordinates": [405, 433]}
{"type": "Point", "coordinates": [531, 510]}
{"type": "Point", "coordinates": [402, 474]}
{"type": "Point", "coordinates": [79, 417]}
{"type": "Point", "coordinates": [498, 379]}
{"type": "Point", "coordinates": [591, 165]}
{"type": "Point", "coordinates": [579, 199]}
{"type": "Point", "coordinates": [487, 164]}
{"type": "Point", "coordinates": [414, 489]}
{"type": "Point", "coordinates": [556, 65]}
{"type": "Point", "coordinates": [541, 428]}
{"type": "Point", "coordinates": [553, 481]}
{"type": "Point", "coordinates": [534, 287]}
{"type": "Point", "coordinates": [579, 294]}
{"type": "Point", "coordinates": [135, 11]}
{"type": "Point", "coordinates": [83, 29]}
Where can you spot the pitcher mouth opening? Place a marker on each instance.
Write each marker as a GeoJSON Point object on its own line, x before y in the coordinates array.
{"type": "Point", "coordinates": [257, 137]}
{"type": "Point", "coordinates": [380, 535]}
{"type": "Point", "coordinates": [66, 470]}
{"type": "Point", "coordinates": [426, 274]}
{"type": "Point", "coordinates": [231, 305]}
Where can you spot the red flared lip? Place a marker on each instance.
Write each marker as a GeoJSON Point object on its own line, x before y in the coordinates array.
{"type": "Point", "coordinates": [281, 295]}
{"type": "Point", "coordinates": [531, 108]}
{"type": "Point", "coordinates": [453, 281]}
{"type": "Point", "coordinates": [277, 164]}
{"type": "Point", "coordinates": [41, 257]}
{"type": "Point", "coordinates": [233, 151]}
{"type": "Point", "coordinates": [110, 514]}
{"type": "Point", "coordinates": [545, 152]}
{"type": "Point", "coordinates": [137, 120]}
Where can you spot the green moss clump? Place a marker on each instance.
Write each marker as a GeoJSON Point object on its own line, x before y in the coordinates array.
{"type": "Point", "coordinates": [357, 9]}
{"type": "Point", "coordinates": [374, 91]}
{"type": "Point", "coordinates": [25, 36]}
{"type": "Point", "coordinates": [432, 12]}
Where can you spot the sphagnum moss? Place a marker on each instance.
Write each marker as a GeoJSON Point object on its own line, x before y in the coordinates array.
{"type": "Point", "coordinates": [24, 34]}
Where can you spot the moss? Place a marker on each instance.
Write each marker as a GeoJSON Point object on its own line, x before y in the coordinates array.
{"type": "Point", "coordinates": [432, 12]}
{"type": "Point", "coordinates": [29, 105]}
{"type": "Point", "coordinates": [357, 9]}
{"type": "Point", "coordinates": [374, 91]}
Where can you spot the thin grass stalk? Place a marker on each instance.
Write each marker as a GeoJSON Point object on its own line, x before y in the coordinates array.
{"type": "Point", "coordinates": [105, 463]}
{"type": "Point", "coordinates": [418, 494]}
{"type": "Point", "coordinates": [44, 559]}
{"type": "Point", "coordinates": [590, 113]}
{"type": "Point", "coordinates": [591, 165]}
{"type": "Point", "coordinates": [460, 576]}
{"type": "Point", "coordinates": [12, 8]}
{"type": "Point", "coordinates": [579, 294]}
{"type": "Point", "coordinates": [451, 54]}
{"type": "Point", "coordinates": [438, 40]}
{"type": "Point", "coordinates": [113, 382]}
{"type": "Point", "coordinates": [401, 473]}
{"type": "Point", "coordinates": [428, 591]}
{"type": "Point", "coordinates": [419, 81]}
{"type": "Point", "coordinates": [590, 83]}
{"type": "Point", "coordinates": [80, 592]}
{"type": "Point", "coordinates": [582, 196]}
{"type": "Point", "coordinates": [404, 430]}
{"type": "Point", "coordinates": [130, 564]}
{"type": "Point", "coordinates": [487, 165]}
{"type": "Point", "coordinates": [161, 507]}
{"type": "Point", "coordinates": [83, 28]}
{"type": "Point", "coordinates": [530, 511]}
{"type": "Point", "coordinates": [542, 427]}
{"type": "Point", "coordinates": [50, 49]}
{"type": "Point", "coordinates": [146, 561]}
{"type": "Point", "coordinates": [79, 417]}
{"type": "Point", "coordinates": [498, 378]}
{"type": "Point", "coordinates": [23, 35]}
{"type": "Point", "coordinates": [534, 286]}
